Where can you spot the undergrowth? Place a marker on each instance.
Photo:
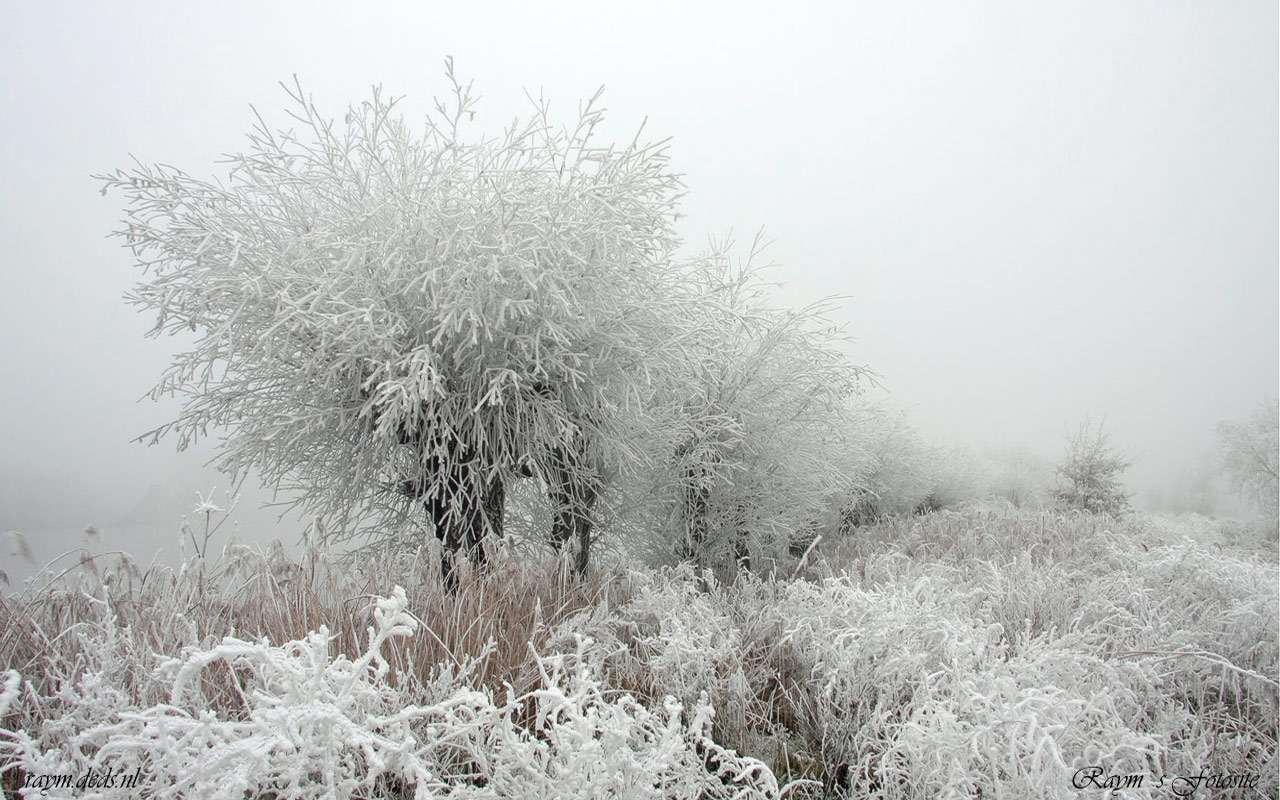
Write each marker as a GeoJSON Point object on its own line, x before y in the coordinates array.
{"type": "Point", "coordinates": [987, 652]}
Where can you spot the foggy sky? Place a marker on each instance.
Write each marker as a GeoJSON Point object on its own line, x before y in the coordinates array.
{"type": "Point", "coordinates": [1035, 213]}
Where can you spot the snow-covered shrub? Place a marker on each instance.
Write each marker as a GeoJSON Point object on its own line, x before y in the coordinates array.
{"type": "Point", "coordinates": [1207, 622]}
{"type": "Point", "coordinates": [684, 634]}
{"type": "Point", "coordinates": [1018, 476]}
{"type": "Point", "coordinates": [586, 742]}
{"type": "Point", "coordinates": [913, 696]}
{"type": "Point", "coordinates": [309, 724]}
{"type": "Point", "coordinates": [899, 473]}
{"type": "Point", "coordinates": [1085, 640]}
{"type": "Point", "coordinates": [677, 636]}
{"type": "Point", "coordinates": [1018, 728]}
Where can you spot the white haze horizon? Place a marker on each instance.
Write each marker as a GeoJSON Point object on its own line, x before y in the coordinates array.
{"type": "Point", "coordinates": [1032, 215]}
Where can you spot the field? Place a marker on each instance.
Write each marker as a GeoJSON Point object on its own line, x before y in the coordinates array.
{"type": "Point", "coordinates": [984, 652]}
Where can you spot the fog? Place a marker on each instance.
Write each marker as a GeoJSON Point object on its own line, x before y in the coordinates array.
{"type": "Point", "coordinates": [1032, 214]}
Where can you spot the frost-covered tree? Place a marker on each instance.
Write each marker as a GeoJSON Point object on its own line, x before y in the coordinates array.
{"type": "Point", "coordinates": [1250, 452]}
{"type": "Point", "coordinates": [758, 446]}
{"type": "Point", "coordinates": [1091, 473]}
{"type": "Point", "coordinates": [397, 323]}
{"type": "Point", "coordinates": [897, 471]}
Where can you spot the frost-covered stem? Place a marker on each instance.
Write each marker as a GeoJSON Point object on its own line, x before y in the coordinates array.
{"type": "Point", "coordinates": [805, 558]}
{"type": "Point", "coordinates": [391, 619]}
{"type": "Point", "coordinates": [1169, 655]}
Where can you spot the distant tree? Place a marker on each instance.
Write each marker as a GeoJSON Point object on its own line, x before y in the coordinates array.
{"type": "Point", "coordinates": [397, 324]}
{"type": "Point", "coordinates": [1020, 476]}
{"type": "Point", "coordinates": [1193, 489]}
{"type": "Point", "coordinates": [1249, 452]}
{"type": "Point", "coordinates": [1091, 473]}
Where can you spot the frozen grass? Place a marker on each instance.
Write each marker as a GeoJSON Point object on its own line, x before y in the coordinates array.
{"type": "Point", "coordinates": [985, 651]}
{"type": "Point", "coordinates": [988, 650]}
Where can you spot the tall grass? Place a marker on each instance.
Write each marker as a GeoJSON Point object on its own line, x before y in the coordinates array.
{"type": "Point", "coordinates": [988, 652]}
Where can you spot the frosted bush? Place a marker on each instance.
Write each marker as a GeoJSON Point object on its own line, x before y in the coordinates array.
{"type": "Point", "coordinates": [1020, 728]}
{"type": "Point", "coordinates": [683, 636]}
{"type": "Point", "coordinates": [311, 725]}
{"type": "Point", "coordinates": [898, 468]}
{"type": "Point", "coordinates": [915, 695]}
{"type": "Point", "coordinates": [308, 725]}
{"type": "Point", "coordinates": [1007, 652]}
{"type": "Point", "coordinates": [1249, 452]}
{"type": "Point", "coordinates": [583, 744]}
{"type": "Point", "coordinates": [866, 652]}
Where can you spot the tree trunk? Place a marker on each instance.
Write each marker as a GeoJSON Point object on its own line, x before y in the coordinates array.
{"type": "Point", "coordinates": [695, 502]}
{"type": "Point", "coordinates": [461, 499]}
{"type": "Point", "coordinates": [574, 489]}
